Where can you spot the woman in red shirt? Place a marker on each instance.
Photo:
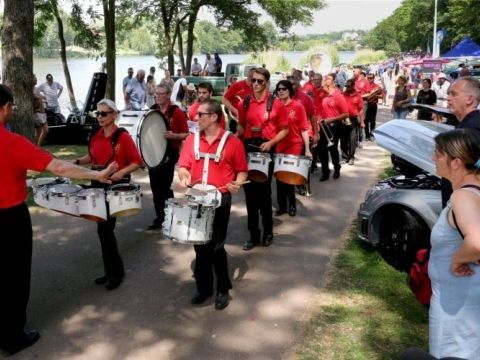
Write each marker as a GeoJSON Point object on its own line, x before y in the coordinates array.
{"type": "Point", "coordinates": [295, 143]}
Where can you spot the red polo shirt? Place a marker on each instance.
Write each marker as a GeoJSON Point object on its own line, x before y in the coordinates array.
{"type": "Point", "coordinates": [232, 161]}
{"type": "Point", "coordinates": [125, 152]}
{"type": "Point", "coordinates": [192, 112]}
{"type": "Point", "coordinates": [257, 116]}
{"type": "Point", "coordinates": [17, 155]}
{"type": "Point", "coordinates": [308, 88]}
{"type": "Point", "coordinates": [307, 103]}
{"type": "Point", "coordinates": [177, 123]}
{"type": "Point", "coordinates": [334, 105]}
{"type": "Point", "coordinates": [237, 92]}
{"type": "Point", "coordinates": [318, 96]}
{"type": "Point", "coordinates": [354, 103]}
{"type": "Point", "coordinates": [297, 122]}
{"type": "Point", "coordinates": [362, 86]}
{"type": "Point", "coordinates": [374, 99]}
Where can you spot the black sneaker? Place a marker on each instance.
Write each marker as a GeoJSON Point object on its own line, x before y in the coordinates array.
{"type": "Point", "coordinates": [25, 340]}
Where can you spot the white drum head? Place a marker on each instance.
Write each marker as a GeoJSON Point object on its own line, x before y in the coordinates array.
{"type": "Point", "coordinates": [130, 121]}
{"type": "Point", "coordinates": [151, 136]}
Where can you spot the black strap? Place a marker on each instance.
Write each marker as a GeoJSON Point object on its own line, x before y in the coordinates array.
{"type": "Point", "coordinates": [453, 214]}
{"type": "Point", "coordinates": [115, 136]}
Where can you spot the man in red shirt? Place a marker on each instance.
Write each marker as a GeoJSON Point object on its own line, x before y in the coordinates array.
{"type": "Point", "coordinates": [309, 86]}
{"type": "Point", "coordinates": [17, 155]}
{"type": "Point", "coordinates": [361, 84]}
{"type": "Point", "coordinates": [101, 153]}
{"type": "Point", "coordinates": [350, 137]}
{"type": "Point", "coordinates": [262, 129]}
{"type": "Point", "coordinates": [161, 177]}
{"type": "Point", "coordinates": [334, 110]}
{"type": "Point", "coordinates": [227, 174]}
{"type": "Point", "coordinates": [237, 92]}
{"type": "Point", "coordinates": [204, 92]}
{"type": "Point", "coordinates": [375, 93]}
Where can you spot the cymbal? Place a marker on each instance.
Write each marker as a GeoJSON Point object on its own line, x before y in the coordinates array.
{"type": "Point", "coordinates": [187, 190]}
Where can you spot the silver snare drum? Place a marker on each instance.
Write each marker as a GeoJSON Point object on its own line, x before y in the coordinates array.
{"type": "Point", "coordinates": [291, 169]}
{"type": "Point", "coordinates": [258, 163]}
{"type": "Point", "coordinates": [124, 199]}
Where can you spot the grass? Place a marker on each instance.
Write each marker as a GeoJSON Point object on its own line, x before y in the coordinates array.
{"type": "Point", "coordinates": [273, 60]}
{"type": "Point", "coordinates": [368, 56]}
{"type": "Point", "coordinates": [366, 311]}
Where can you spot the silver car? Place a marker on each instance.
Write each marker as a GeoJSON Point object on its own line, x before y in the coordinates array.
{"type": "Point", "coordinates": [399, 212]}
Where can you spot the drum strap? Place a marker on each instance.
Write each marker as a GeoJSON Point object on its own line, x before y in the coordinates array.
{"type": "Point", "coordinates": [208, 156]}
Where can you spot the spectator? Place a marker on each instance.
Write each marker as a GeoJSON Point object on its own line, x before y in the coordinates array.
{"type": "Point", "coordinates": [52, 91]}
{"type": "Point", "coordinates": [210, 65]}
{"type": "Point", "coordinates": [426, 96]}
{"type": "Point", "coordinates": [150, 90]}
{"type": "Point", "coordinates": [196, 69]}
{"type": "Point", "coordinates": [39, 116]}
{"type": "Point", "coordinates": [218, 62]}
{"type": "Point", "coordinates": [127, 79]}
{"type": "Point", "coordinates": [167, 80]}
{"type": "Point", "coordinates": [135, 93]}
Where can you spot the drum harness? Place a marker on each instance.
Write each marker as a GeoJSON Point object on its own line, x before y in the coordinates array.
{"type": "Point", "coordinates": [256, 141]}
{"type": "Point", "coordinates": [207, 157]}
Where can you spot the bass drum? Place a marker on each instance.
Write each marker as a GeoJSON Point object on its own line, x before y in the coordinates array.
{"type": "Point", "coordinates": [151, 138]}
{"type": "Point", "coordinates": [130, 120]}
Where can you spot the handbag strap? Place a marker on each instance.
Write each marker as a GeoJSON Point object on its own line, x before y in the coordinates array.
{"type": "Point", "coordinates": [453, 214]}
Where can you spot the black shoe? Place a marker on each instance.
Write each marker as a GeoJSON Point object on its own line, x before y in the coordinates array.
{"type": "Point", "coordinates": [280, 212]}
{"type": "Point", "coordinates": [198, 298]}
{"type": "Point", "coordinates": [324, 177]}
{"type": "Point", "coordinates": [336, 174]}
{"type": "Point", "coordinates": [113, 282]}
{"type": "Point", "coordinates": [102, 280]}
{"type": "Point", "coordinates": [267, 239]}
{"type": "Point", "coordinates": [221, 300]}
{"type": "Point", "coordinates": [249, 244]}
{"type": "Point", "coordinates": [292, 211]}
{"type": "Point", "coordinates": [25, 340]}
{"type": "Point", "coordinates": [154, 227]}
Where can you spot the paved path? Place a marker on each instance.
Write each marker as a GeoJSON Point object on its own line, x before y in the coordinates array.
{"type": "Point", "coordinates": [150, 316]}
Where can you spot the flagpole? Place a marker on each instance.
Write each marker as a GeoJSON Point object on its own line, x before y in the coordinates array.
{"type": "Point", "coordinates": [435, 52]}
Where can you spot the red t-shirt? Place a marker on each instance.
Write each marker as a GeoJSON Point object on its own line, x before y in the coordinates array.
{"type": "Point", "coordinates": [354, 103]}
{"type": "Point", "coordinates": [232, 161]}
{"type": "Point", "coordinates": [237, 92]}
{"type": "Point", "coordinates": [307, 103]}
{"type": "Point", "coordinates": [17, 155]}
{"type": "Point", "coordinates": [257, 116]}
{"type": "Point", "coordinates": [334, 105]}
{"type": "Point", "coordinates": [308, 88]}
{"type": "Point", "coordinates": [297, 122]}
{"type": "Point", "coordinates": [125, 150]}
{"type": "Point", "coordinates": [192, 112]}
{"type": "Point", "coordinates": [318, 96]}
{"type": "Point", "coordinates": [362, 86]}
{"type": "Point", "coordinates": [374, 99]}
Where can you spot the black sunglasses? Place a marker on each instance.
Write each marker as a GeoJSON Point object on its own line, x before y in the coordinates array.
{"type": "Point", "coordinates": [259, 81]}
{"type": "Point", "coordinates": [200, 114]}
{"type": "Point", "coordinates": [281, 89]}
{"type": "Point", "coordinates": [103, 113]}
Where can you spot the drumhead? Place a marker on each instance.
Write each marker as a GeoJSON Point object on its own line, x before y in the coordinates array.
{"type": "Point", "coordinates": [130, 120]}
{"type": "Point", "coordinates": [151, 138]}
{"type": "Point", "coordinates": [64, 189]}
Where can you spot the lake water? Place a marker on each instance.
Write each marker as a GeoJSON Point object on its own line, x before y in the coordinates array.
{"type": "Point", "coordinates": [81, 70]}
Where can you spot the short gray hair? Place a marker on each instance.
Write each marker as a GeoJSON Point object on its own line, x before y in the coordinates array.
{"type": "Point", "coordinates": [472, 86]}
{"type": "Point", "coordinates": [108, 103]}
{"type": "Point", "coordinates": [166, 87]}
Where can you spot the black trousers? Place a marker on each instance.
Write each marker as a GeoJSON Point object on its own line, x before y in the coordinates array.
{"type": "Point", "coordinates": [112, 261]}
{"type": "Point", "coordinates": [350, 137]}
{"type": "Point", "coordinates": [324, 149]}
{"type": "Point", "coordinates": [15, 269]}
{"type": "Point", "coordinates": [161, 178]}
{"type": "Point", "coordinates": [212, 256]}
{"type": "Point", "coordinates": [370, 119]}
{"type": "Point", "coordinates": [285, 196]}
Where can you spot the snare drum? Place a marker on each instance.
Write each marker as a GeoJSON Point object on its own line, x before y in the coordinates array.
{"type": "Point", "coordinates": [291, 169]}
{"type": "Point", "coordinates": [188, 222]}
{"type": "Point", "coordinates": [258, 163]}
{"type": "Point", "coordinates": [62, 198]}
{"type": "Point", "coordinates": [40, 188]}
{"type": "Point", "coordinates": [213, 197]}
{"type": "Point", "coordinates": [91, 204]}
{"type": "Point", "coordinates": [124, 199]}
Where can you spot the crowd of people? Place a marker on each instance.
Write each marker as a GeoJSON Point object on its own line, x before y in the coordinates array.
{"type": "Point", "coordinates": [324, 117]}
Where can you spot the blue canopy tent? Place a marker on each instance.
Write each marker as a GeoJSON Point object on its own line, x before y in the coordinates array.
{"type": "Point", "coordinates": [465, 48]}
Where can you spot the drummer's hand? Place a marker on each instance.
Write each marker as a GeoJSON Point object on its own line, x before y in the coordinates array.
{"type": "Point", "coordinates": [308, 153]}
{"type": "Point", "coordinates": [233, 187]}
{"type": "Point", "coordinates": [316, 139]}
{"type": "Point", "coordinates": [266, 146]}
{"type": "Point", "coordinates": [362, 125]}
{"type": "Point", "coordinates": [117, 176]}
{"type": "Point", "coordinates": [169, 135]}
{"type": "Point", "coordinates": [103, 176]}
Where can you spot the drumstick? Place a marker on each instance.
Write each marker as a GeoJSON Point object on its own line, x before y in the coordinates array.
{"type": "Point", "coordinates": [225, 186]}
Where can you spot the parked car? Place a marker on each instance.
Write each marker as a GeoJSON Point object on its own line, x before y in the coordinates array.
{"type": "Point", "coordinates": [399, 212]}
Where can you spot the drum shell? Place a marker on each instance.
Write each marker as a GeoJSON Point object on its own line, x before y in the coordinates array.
{"type": "Point", "coordinates": [183, 225]}
{"type": "Point", "coordinates": [62, 198]}
{"type": "Point", "coordinates": [130, 120]}
{"type": "Point", "coordinates": [92, 204]}
{"type": "Point", "coordinates": [124, 199]}
{"type": "Point", "coordinates": [291, 169]}
{"type": "Point", "coordinates": [40, 188]}
{"type": "Point", "coordinates": [258, 164]}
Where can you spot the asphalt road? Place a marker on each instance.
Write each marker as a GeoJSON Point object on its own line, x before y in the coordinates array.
{"type": "Point", "coordinates": [150, 317]}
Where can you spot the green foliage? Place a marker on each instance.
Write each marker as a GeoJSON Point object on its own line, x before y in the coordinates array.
{"type": "Point", "coordinates": [273, 60]}
{"type": "Point", "coordinates": [368, 56]}
{"type": "Point", "coordinates": [140, 41]}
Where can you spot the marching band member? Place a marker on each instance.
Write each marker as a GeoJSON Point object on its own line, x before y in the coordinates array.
{"type": "Point", "coordinates": [376, 92]}
{"type": "Point", "coordinates": [17, 155]}
{"type": "Point", "coordinates": [110, 144]}
{"type": "Point", "coordinates": [296, 143]}
{"type": "Point", "coordinates": [263, 123]}
{"type": "Point", "coordinates": [205, 91]}
{"type": "Point", "coordinates": [226, 172]}
{"type": "Point", "coordinates": [352, 130]}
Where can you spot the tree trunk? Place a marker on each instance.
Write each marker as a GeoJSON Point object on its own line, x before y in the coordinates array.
{"type": "Point", "coordinates": [180, 46]}
{"type": "Point", "coordinates": [190, 38]}
{"type": "Point", "coordinates": [109, 21]}
{"type": "Point", "coordinates": [63, 55]}
{"type": "Point", "coordinates": [17, 55]}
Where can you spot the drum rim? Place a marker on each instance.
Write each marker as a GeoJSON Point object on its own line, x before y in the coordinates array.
{"type": "Point", "coordinates": [139, 136]}
{"type": "Point", "coordinates": [258, 153]}
{"type": "Point", "coordinates": [291, 156]}
{"type": "Point", "coordinates": [134, 191]}
{"type": "Point", "coordinates": [91, 192]}
{"type": "Point", "coordinates": [63, 194]}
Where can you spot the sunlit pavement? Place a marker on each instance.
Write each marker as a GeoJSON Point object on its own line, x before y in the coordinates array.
{"type": "Point", "coordinates": [150, 317]}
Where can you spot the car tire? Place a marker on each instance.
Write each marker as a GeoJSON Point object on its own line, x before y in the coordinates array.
{"type": "Point", "coordinates": [402, 234]}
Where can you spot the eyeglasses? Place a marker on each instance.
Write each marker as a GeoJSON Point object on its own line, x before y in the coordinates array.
{"type": "Point", "coordinates": [200, 114]}
{"type": "Point", "coordinates": [103, 113]}
{"type": "Point", "coordinates": [258, 81]}
{"type": "Point", "coordinates": [161, 93]}
{"type": "Point", "coordinates": [281, 89]}
{"type": "Point", "coordinates": [370, 78]}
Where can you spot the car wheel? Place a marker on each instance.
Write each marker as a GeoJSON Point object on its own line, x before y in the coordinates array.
{"type": "Point", "coordinates": [402, 234]}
